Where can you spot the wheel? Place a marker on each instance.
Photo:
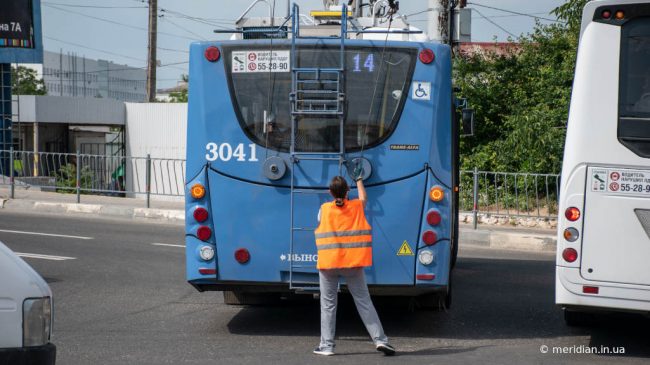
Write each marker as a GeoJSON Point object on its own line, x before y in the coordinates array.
{"type": "Point", "coordinates": [574, 318]}
{"type": "Point", "coordinates": [449, 292]}
{"type": "Point", "coordinates": [243, 298]}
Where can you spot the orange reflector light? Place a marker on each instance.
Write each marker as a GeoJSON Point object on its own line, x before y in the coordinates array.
{"type": "Point", "coordinates": [620, 15]}
{"type": "Point", "coordinates": [571, 234]}
{"type": "Point", "coordinates": [569, 255]}
{"type": "Point", "coordinates": [197, 191]}
{"type": "Point", "coordinates": [436, 194]}
{"type": "Point", "coordinates": [572, 214]}
{"type": "Point", "coordinates": [590, 289]}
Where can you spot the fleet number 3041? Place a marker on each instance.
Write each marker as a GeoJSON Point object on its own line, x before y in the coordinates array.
{"type": "Point", "coordinates": [226, 152]}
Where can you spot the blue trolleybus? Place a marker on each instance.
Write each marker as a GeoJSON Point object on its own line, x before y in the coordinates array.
{"type": "Point", "coordinates": [277, 111]}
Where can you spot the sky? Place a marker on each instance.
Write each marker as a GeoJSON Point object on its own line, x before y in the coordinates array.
{"type": "Point", "coordinates": [117, 30]}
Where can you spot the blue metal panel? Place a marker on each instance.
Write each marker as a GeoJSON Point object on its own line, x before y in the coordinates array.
{"type": "Point", "coordinates": [27, 55]}
{"type": "Point", "coordinates": [256, 217]}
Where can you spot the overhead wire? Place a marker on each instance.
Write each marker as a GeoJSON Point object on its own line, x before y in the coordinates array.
{"type": "Point", "coordinates": [495, 23]}
{"type": "Point", "coordinates": [513, 12]}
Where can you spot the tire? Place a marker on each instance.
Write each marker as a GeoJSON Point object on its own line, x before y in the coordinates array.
{"type": "Point", "coordinates": [243, 298]}
{"type": "Point", "coordinates": [574, 318]}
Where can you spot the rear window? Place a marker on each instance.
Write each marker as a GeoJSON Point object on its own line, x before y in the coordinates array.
{"type": "Point", "coordinates": [376, 86]}
{"type": "Point", "coordinates": [634, 86]}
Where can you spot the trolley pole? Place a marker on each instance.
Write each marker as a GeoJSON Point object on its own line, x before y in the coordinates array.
{"type": "Point", "coordinates": [148, 182]}
{"type": "Point", "coordinates": [475, 191]}
{"type": "Point", "coordinates": [78, 177]}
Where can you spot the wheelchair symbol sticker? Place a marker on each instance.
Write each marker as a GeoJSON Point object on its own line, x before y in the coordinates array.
{"type": "Point", "coordinates": [421, 90]}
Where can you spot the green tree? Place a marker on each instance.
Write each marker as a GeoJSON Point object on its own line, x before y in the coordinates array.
{"type": "Point", "coordinates": [25, 81]}
{"type": "Point", "coordinates": [521, 98]}
{"type": "Point", "coordinates": [180, 96]}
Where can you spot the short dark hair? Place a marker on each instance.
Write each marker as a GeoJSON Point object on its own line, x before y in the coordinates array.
{"type": "Point", "coordinates": [339, 189]}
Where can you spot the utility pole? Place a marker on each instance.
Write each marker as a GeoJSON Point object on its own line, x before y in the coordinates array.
{"type": "Point", "coordinates": [151, 58]}
{"type": "Point", "coordinates": [439, 20]}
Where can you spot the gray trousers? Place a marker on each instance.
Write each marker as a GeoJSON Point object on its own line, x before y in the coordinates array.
{"type": "Point", "coordinates": [356, 282]}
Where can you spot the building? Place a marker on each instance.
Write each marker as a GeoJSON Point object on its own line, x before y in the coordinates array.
{"type": "Point", "coordinates": [489, 49]}
{"type": "Point", "coordinates": [67, 74]}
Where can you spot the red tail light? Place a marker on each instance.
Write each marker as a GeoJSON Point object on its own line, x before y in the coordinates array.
{"type": "Point", "coordinates": [429, 237]}
{"type": "Point", "coordinates": [242, 255]}
{"type": "Point", "coordinates": [425, 276]}
{"type": "Point", "coordinates": [569, 255]}
{"type": "Point", "coordinates": [205, 271]}
{"type": "Point", "coordinates": [572, 214]}
{"type": "Point", "coordinates": [427, 56]}
{"type": "Point", "coordinates": [212, 54]}
{"type": "Point", "coordinates": [606, 14]}
{"type": "Point", "coordinates": [590, 289]}
{"type": "Point", "coordinates": [434, 218]}
{"type": "Point", "coordinates": [204, 233]}
{"type": "Point", "coordinates": [200, 214]}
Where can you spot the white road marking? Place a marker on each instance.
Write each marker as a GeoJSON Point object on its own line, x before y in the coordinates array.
{"type": "Point", "coordinates": [44, 257]}
{"type": "Point", "coordinates": [167, 244]}
{"type": "Point", "coordinates": [46, 234]}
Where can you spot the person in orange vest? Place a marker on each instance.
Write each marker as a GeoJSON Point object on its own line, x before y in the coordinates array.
{"type": "Point", "coordinates": [344, 243]}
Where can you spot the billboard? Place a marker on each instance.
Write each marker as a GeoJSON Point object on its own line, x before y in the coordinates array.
{"type": "Point", "coordinates": [16, 23]}
{"type": "Point", "coordinates": [20, 31]}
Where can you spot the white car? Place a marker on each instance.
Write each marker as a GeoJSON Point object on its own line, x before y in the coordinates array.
{"type": "Point", "coordinates": [25, 313]}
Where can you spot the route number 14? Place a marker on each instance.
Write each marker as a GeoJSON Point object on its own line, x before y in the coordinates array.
{"type": "Point", "coordinates": [225, 152]}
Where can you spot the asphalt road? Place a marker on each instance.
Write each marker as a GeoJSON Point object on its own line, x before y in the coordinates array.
{"type": "Point", "coordinates": [120, 299]}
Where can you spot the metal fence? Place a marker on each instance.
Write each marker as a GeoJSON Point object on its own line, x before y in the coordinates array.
{"type": "Point", "coordinates": [481, 192]}
{"type": "Point", "coordinates": [509, 194]}
{"type": "Point", "coordinates": [93, 174]}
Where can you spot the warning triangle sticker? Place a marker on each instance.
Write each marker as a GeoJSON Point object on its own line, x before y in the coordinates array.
{"type": "Point", "coordinates": [405, 250]}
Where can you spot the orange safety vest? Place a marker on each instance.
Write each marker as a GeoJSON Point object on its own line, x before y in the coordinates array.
{"type": "Point", "coordinates": [343, 237]}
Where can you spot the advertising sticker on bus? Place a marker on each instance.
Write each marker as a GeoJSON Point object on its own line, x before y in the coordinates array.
{"type": "Point", "coordinates": [261, 61]}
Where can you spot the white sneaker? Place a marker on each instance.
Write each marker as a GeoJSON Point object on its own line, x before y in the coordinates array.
{"type": "Point", "coordinates": [323, 351]}
{"type": "Point", "coordinates": [386, 349]}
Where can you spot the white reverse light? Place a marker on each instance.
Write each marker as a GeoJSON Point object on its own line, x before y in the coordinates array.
{"type": "Point", "coordinates": [425, 257]}
{"type": "Point", "coordinates": [207, 253]}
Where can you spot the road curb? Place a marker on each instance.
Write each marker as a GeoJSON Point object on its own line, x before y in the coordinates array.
{"type": "Point", "coordinates": [166, 215]}
{"type": "Point", "coordinates": [509, 240]}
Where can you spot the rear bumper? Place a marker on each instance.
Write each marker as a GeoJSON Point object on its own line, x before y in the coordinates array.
{"type": "Point", "coordinates": [38, 355]}
{"type": "Point", "coordinates": [611, 296]}
{"type": "Point", "coordinates": [261, 287]}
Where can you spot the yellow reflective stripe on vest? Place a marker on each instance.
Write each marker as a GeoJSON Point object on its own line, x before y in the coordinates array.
{"type": "Point", "coordinates": [343, 234]}
{"type": "Point", "coordinates": [330, 246]}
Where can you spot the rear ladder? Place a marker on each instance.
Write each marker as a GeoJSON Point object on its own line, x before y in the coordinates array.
{"type": "Point", "coordinates": [314, 92]}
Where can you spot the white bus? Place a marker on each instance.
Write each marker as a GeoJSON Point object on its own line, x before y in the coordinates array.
{"type": "Point", "coordinates": [603, 250]}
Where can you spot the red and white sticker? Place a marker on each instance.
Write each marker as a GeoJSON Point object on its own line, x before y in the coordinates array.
{"type": "Point", "coordinates": [620, 181]}
{"type": "Point", "coordinates": [261, 61]}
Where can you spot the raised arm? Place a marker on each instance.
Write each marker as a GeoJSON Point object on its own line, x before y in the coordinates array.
{"type": "Point", "coordinates": [362, 192]}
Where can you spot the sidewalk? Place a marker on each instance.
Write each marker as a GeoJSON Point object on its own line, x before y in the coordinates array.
{"type": "Point", "coordinates": [45, 202]}
{"type": "Point", "coordinates": [490, 236]}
